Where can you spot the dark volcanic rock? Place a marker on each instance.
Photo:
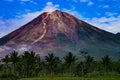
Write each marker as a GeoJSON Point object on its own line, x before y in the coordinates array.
{"type": "Point", "coordinates": [118, 34]}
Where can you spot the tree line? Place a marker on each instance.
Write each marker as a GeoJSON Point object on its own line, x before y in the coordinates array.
{"type": "Point", "coordinates": [29, 64]}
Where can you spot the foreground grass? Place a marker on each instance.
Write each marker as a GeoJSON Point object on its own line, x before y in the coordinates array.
{"type": "Point", "coordinates": [70, 78]}
{"type": "Point", "coordinates": [91, 76]}
{"type": "Point", "coordinates": [106, 77]}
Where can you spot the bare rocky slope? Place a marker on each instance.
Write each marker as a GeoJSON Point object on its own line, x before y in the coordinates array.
{"type": "Point", "coordinates": [60, 32]}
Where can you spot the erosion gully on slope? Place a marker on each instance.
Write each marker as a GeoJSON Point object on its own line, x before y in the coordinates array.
{"type": "Point", "coordinates": [44, 28]}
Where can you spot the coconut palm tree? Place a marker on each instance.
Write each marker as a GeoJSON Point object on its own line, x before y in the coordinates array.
{"type": "Point", "coordinates": [106, 61]}
{"type": "Point", "coordinates": [88, 63]}
{"type": "Point", "coordinates": [38, 65]}
{"type": "Point", "coordinates": [81, 69]}
{"type": "Point", "coordinates": [6, 60]}
{"type": "Point", "coordinates": [88, 60]}
{"type": "Point", "coordinates": [70, 59]}
{"type": "Point", "coordinates": [28, 63]}
{"type": "Point", "coordinates": [52, 62]}
{"type": "Point", "coordinates": [14, 58]}
{"type": "Point", "coordinates": [25, 63]}
{"type": "Point", "coordinates": [84, 66]}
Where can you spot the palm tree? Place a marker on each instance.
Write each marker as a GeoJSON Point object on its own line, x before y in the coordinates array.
{"type": "Point", "coordinates": [52, 62]}
{"type": "Point", "coordinates": [38, 65]}
{"type": "Point", "coordinates": [70, 59]}
{"type": "Point", "coordinates": [1, 67]}
{"type": "Point", "coordinates": [88, 60]}
{"type": "Point", "coordinates": [84, 66]}
{"type": "Point", "coordinates": [118, 66]}
{"type": "Point", "coordinates": [81, 69]}
{"type": "Point", "coordinates": [6, 60]}
{"type": "Point", "coordinates": [106, 61]}
{"type": "Point", "coordinates": [83, 54]}
{"type": "Point", "coordinates": [14, 58]}
{"type": "Point", "coordinates": [88, 63]}
{"type": "Point", "coordinates": [28, 63]}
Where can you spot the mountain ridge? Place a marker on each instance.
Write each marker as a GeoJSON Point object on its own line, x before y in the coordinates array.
{"type": "Point", "coordinates": [60, 31]}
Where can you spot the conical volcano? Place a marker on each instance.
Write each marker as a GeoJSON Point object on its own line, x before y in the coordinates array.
{"type": "Point", "coordinates": [60, 32]}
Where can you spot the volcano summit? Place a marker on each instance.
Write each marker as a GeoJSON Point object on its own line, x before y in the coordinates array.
{"type": "Point", "coordinates": [60, 32]}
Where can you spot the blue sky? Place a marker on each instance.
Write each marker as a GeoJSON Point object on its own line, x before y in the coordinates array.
{"type": "Point", "coordinates": [104, 14]}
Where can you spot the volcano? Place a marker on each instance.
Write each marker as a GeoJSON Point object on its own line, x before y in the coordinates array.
{"type": "Point", "coordinates": [60, 32]}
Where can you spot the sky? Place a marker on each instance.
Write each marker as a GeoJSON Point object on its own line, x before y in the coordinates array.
{"type": "Point", "coordinates": [104, 14]}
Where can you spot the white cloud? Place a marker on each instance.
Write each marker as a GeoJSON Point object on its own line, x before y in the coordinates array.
{"type": "Point", "coordinates": [110, 14]}
{"type": "Point", "coordinates": [3, 27]}
{"type": "Point", "coordinates": [83, 0]}
{"type": "Point", "coordinates": [111, 24]}
{"type": "Point", "coordinates": [23, 47]}
{"type": "Point", "coordinates": [25, 1]}
{"type": "Point", "coordinates": [50, 7]}
{"type": "Point", "coordinates": [106, 6]}
{"type": "Point", "coordinates": [89, 2]}
{"type": "Point", "coordinates": [74, 13]}
{"type": "Point", "coordinates": [3, 48]}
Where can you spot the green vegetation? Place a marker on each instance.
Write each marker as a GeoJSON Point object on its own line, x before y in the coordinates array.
{"type": "Point", "coordinates": [70, 78]}
{"type": "Point", "coordinates": [51, 67]}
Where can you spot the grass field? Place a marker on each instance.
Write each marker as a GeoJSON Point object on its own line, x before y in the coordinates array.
{"type": "Point", "coordinates": [93, 76]}
{"type": "Point", "coordinates": [70, 78]}
{"type": "Point", "coordinates": [107, 77]}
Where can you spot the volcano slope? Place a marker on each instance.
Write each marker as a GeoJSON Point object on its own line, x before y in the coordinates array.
{"type": "Point", "coordinates": [60, 32]}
